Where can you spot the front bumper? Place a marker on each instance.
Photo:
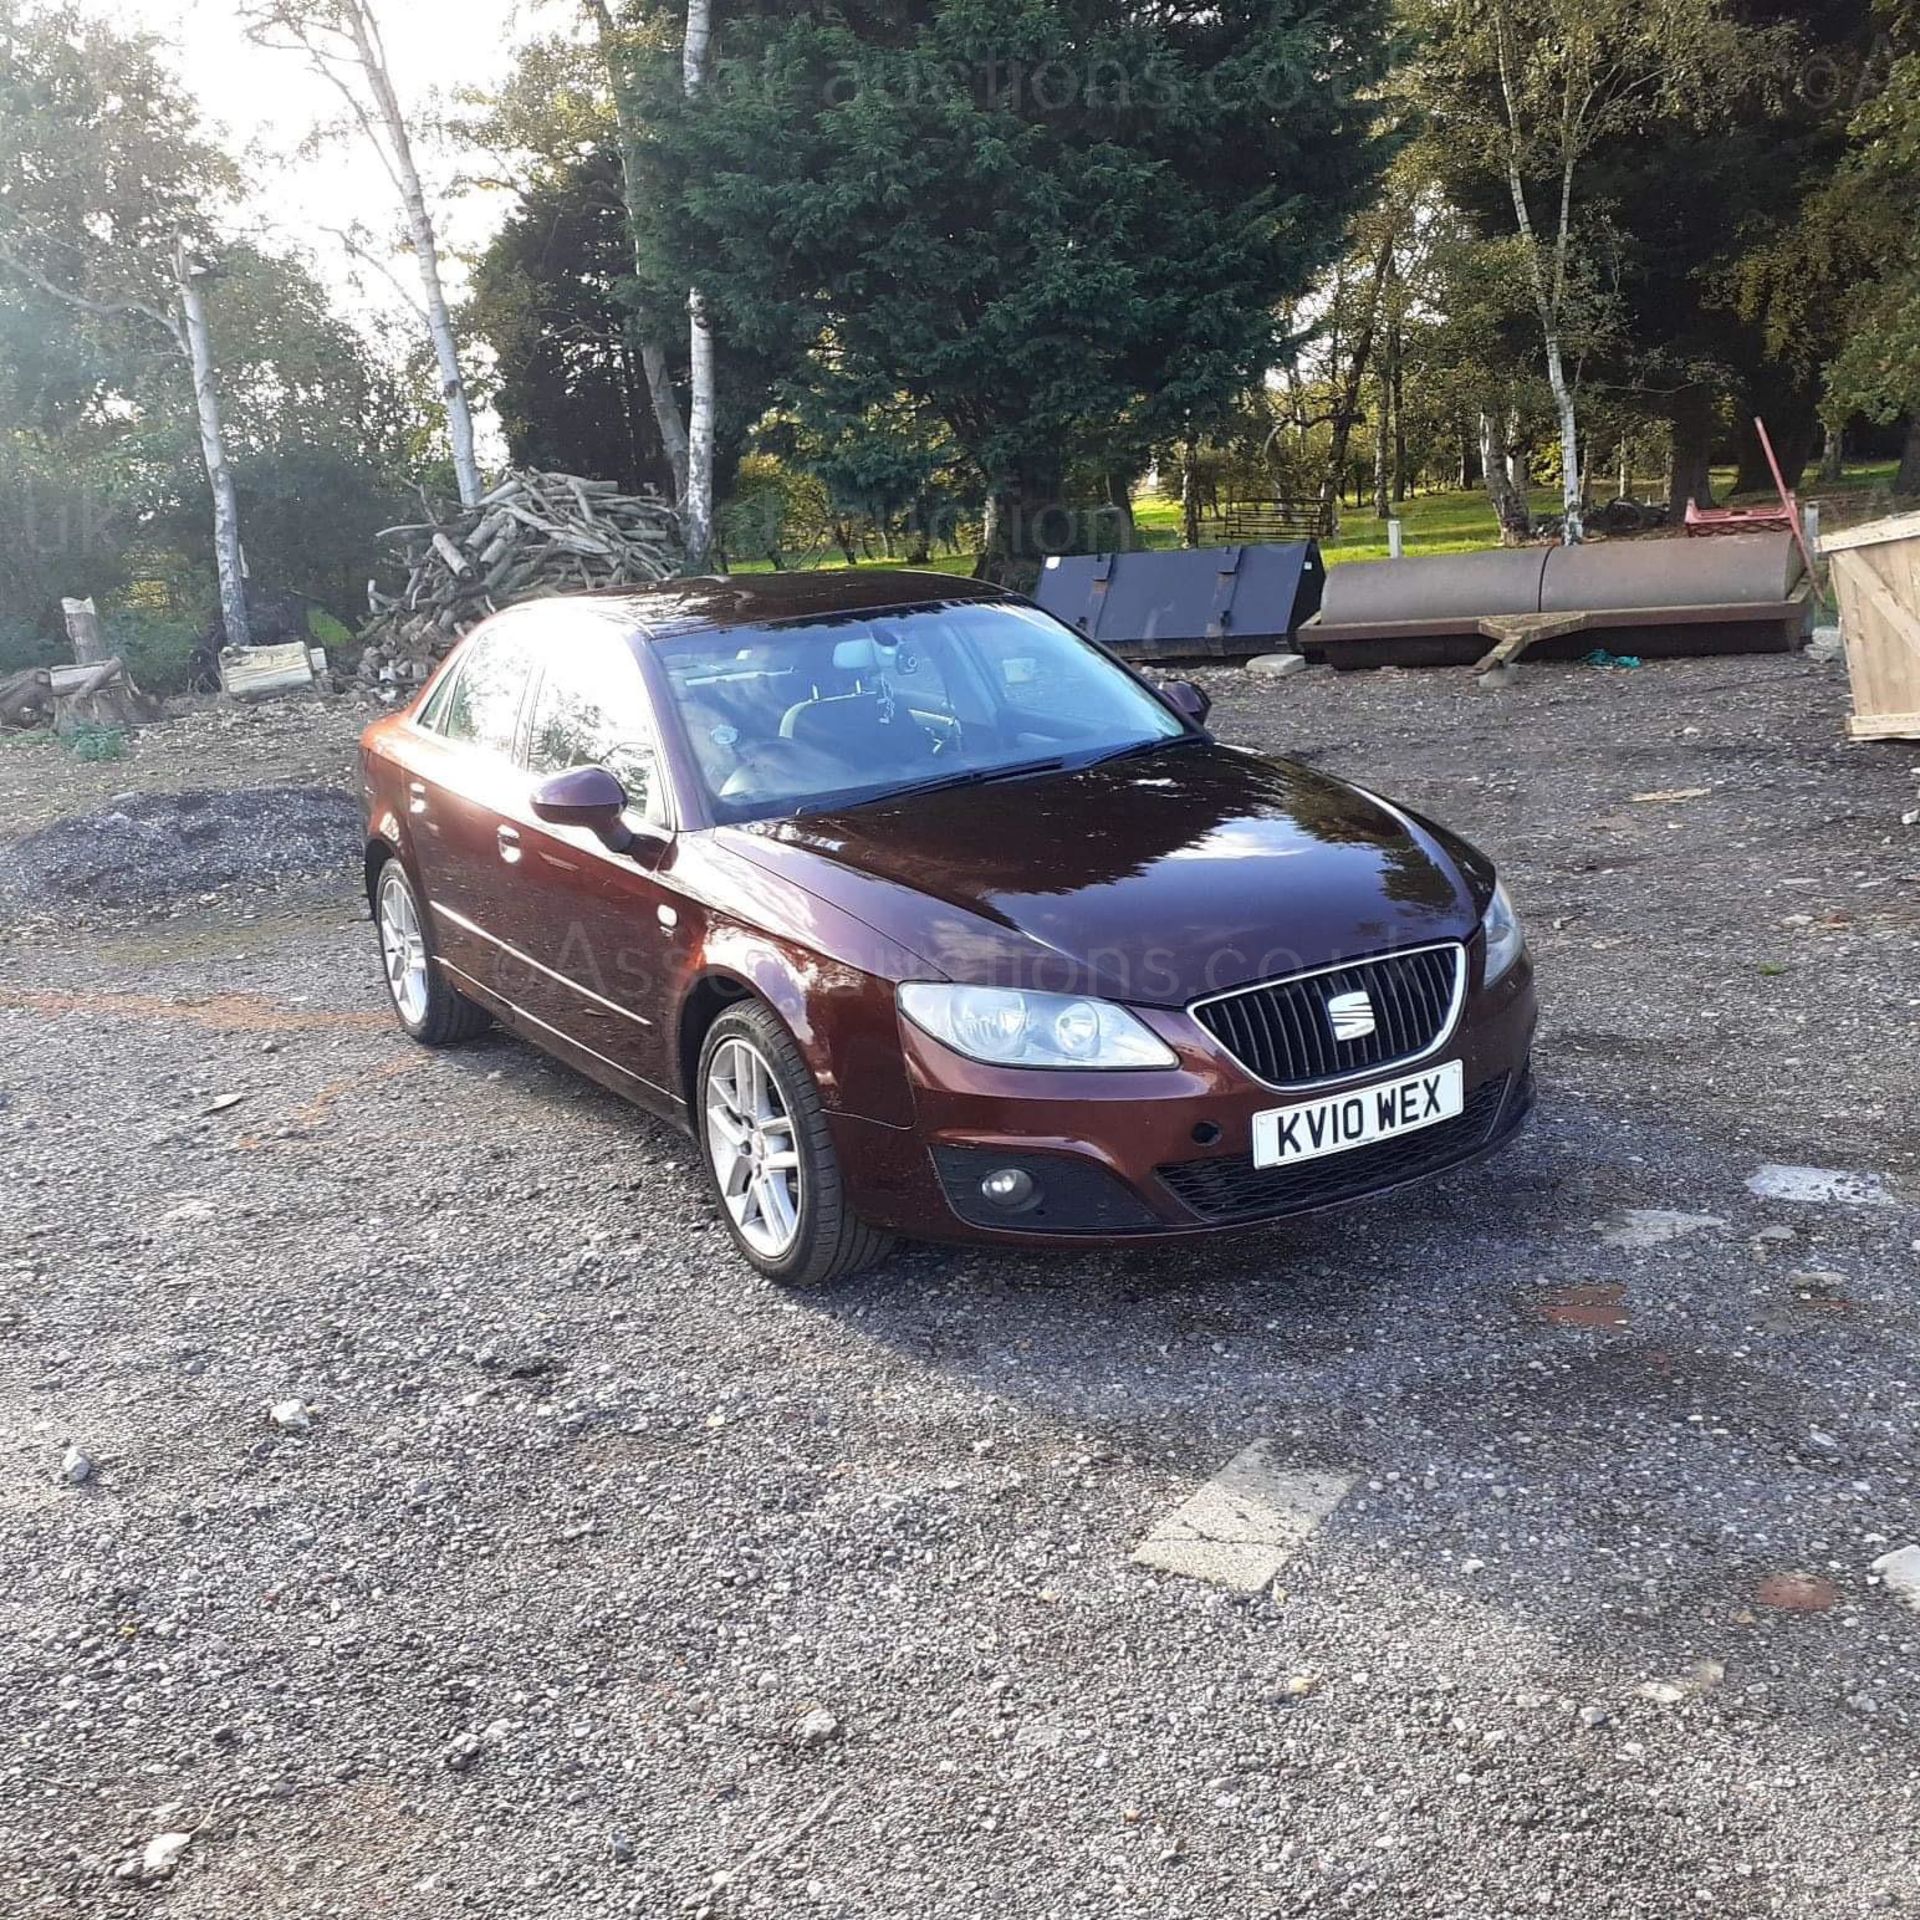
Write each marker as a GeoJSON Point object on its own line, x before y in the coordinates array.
{"type": "Point", "coordinates": [1141, 1158]}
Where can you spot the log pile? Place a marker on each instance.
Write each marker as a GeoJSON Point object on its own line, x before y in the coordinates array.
{"type": "Point", "coordinates": [533, 534]}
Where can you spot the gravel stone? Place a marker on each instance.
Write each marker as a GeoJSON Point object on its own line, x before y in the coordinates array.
{"type": "Point", "coordinates": [645, 1604]}
{"type": "Point", "coordinates": [165, 846]}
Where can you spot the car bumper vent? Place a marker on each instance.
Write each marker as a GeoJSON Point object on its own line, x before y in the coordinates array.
{"type": "Point", "coordinates": [1285, 1032]}
{"type": "Point", "coordinates": [1233, 1188]}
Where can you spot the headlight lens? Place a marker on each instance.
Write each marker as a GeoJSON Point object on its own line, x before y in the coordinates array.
{"type": "Point", "coordinates": [1501, 925]}
{"type": "Point", "coordinates": [1008, 1028]}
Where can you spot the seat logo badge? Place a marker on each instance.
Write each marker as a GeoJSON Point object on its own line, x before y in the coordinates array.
{"type": "Point", "coordinates": [1351, 1014]}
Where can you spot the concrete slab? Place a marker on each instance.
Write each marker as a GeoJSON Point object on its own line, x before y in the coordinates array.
{"type": "Point", "coordinates": [1821, 1186]}
{"type": "Point", "coordinates": [1241, 1527]}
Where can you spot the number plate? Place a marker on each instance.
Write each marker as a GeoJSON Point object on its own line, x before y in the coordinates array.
{"type": "Point", "coordinates": [1283, 1135]}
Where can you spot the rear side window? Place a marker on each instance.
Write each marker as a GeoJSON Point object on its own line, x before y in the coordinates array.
{"type": "Point", "coordinates": [482, 703]}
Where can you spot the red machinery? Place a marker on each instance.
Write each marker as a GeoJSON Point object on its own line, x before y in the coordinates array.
{"type": "Point", "coordinates": [1785, 518]}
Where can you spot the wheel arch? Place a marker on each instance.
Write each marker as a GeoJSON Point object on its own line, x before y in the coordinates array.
{"type": "Point", "coordinates": [379, 850]}
{"type": "Point", "coordinates": [706, 999]}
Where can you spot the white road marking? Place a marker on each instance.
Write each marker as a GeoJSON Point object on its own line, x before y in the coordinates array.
{"type": "Point", "coordinates": [1242, 1526]}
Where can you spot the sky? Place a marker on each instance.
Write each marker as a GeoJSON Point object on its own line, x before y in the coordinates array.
{"type": "Point", "coordinates": [266, 103]}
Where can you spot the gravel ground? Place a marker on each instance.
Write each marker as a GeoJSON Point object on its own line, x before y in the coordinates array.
{"type": "Point", "coordinates": [589, 1576]}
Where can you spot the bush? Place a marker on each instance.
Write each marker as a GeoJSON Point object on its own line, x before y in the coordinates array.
{"type": "Point", "coordinates": [90, 742]}
{"type": "Point", "coordinates": [158, 648]}
{"type": "Point", "coordinates": [22, 644]}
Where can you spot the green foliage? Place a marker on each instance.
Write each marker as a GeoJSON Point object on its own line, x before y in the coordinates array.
{"type": "Point", "coordinates": [548, 299]}
{"type": "Point", "coordinates": [1861, 228]}
{"type": "Point", "coordinates": [102, 168]}
{"type": "Point", "coordinates": [88, 741]}
{"type": "Point", "coordinates": [1058, 230]}
{"type": "Point", "coordinates": [158, 648]}
{"type": "Point", "coordinates": [23, 644]}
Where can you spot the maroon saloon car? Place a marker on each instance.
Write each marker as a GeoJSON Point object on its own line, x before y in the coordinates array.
{"type": "Point", "coordinates": [928, 917]}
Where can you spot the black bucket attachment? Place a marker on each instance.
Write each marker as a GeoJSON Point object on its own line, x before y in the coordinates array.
{"type": "Point", "coordinates": [1188, 603]}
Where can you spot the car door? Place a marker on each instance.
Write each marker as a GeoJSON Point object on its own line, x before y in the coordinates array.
{"type": "Point", "coordinates": [598, 930]}
{"type": "Point", "coordinates": [464, 789]}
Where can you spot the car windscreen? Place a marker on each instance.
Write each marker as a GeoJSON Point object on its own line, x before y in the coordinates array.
{"type": "Point", "coordinates": [787, 719]}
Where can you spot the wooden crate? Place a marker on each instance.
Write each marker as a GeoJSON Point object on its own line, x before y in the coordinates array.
{"type": "Point", "coordinates": [1876, 574]}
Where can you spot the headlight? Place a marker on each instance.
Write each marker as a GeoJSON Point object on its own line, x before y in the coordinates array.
{"type": "Point", "coordinates": [1501, 925]}
{"type": "Point", "coordinates": [1008, 1028]}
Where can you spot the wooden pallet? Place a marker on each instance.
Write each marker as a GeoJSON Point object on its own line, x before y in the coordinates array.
{"type": "Point", "coordinates": [1876, 576]}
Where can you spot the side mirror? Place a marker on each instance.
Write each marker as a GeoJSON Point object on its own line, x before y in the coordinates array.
{"type": "Point", "coordinates": [587, 797]}
{"type": "Point", "coordinates": [1184, 697]}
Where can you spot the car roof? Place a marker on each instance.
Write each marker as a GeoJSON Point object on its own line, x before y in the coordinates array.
{"type": "Point", "coordinates": [759, 599]}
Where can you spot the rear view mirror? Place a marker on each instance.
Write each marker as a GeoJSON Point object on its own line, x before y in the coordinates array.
{"type": "Point", "coordinates": [587, 797]}
{"type": "Point", "coordinates": [1185, 698]}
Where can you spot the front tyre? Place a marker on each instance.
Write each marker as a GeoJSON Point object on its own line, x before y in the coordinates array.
{"type": "Point", "coordinates": [770, 1155]}
{"type": "Point", "coordinates": [433, 1012]}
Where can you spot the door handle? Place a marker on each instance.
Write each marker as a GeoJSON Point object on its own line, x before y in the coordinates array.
{"type": "Point", "coordinates": [509, 839]}
{"type": "Point", "coordinates": [416, 796]}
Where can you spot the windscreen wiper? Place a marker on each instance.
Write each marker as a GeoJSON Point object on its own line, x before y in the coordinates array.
{"type": "Point", "coordinates": [1134, 747]}
{"type": "Point", "coordinates": [970, 777]}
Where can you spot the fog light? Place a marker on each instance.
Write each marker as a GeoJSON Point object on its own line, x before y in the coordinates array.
{"type": "Point", "coordinates": [1009, 1187]}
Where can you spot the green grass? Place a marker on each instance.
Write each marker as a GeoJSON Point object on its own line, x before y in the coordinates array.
{"type": "Point", "coordinates": [1439, 522]}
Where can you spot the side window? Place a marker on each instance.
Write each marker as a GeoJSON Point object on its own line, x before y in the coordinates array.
{"type": "Point", "coordinates": [591, 711]}
{"type": "Point", "coordinates": [483, 706]}
{"type": "Point", "coordinates": [433, 716]}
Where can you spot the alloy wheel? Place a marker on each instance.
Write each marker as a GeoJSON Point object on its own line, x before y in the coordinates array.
{"type": "Point", "coordinates": [403, 947]}
{"type": "Point", "coordinates": [752, 1144]}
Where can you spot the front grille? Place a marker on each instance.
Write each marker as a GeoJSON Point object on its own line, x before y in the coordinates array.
{"type": "Point", "coordinates": [1284, 1033]}
{"type": "Point", "coordinates": [1233, 1188]}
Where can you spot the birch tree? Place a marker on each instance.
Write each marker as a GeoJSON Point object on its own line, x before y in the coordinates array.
{"type": "Point", "coordinates": [105, 186]}
{"type": "Point", "coordinates": [341, 41]}
{"type": "Point", "coordinates": [1530, 89]}
{"type": "Point", "coordinates": [617, 48]}
{"type": "Point", "coordinates": [696, 519]}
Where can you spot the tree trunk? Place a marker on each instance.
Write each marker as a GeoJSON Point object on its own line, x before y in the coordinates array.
{"type": "Point", "coordinates": [228, 561]}
{"type": "Point", "coordinates": [653, 354]}
{"type": "Point", "coordinates": [1025, 506]}
{"type": "Point", "coordinates": [1690, 477]}
{"type": "Point", "coordinates": [1120, 501]}
{"type": "Point", "coordinates": [95, 691]}
{"type": "Point", "coordinates": [1549, 296]}
{"type": "Point", "coordinates": [1833, 455]}
{"type": "Point", "coordinates": [26, 696]}
{"type": "Point", "coordinates": [1401, 478]}
{"type": "Point", "coordinates": [1510, 509]}
{"type": "Point", "coordinates": [697, 517]}
{"type": "Point", "coordinates": [1383, 444]}
{"type": "Point", "coordinates": [1907, 478]}
{"type": "Point", "coordinates": [1346, 408]}
{"type": "Point", "coordinates": [84, 634]}
{"type": "Point", "coordinates": [1189, 496]}
{"type": "Point", "coordinates": [360, 23]}
{"type": "Point", "coordinates": [1571, 527]}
